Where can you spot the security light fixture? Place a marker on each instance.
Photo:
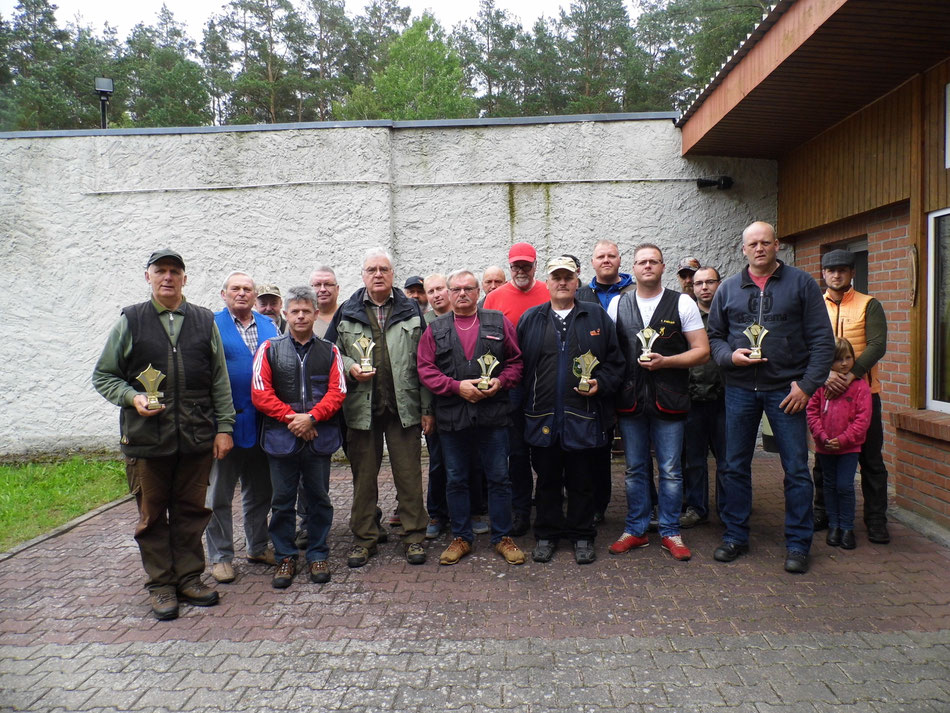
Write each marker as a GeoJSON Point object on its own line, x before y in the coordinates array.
{"type": "Point", "coordinates": [722, 183]}
{"type": "Point", "coordinates": [105, 87]}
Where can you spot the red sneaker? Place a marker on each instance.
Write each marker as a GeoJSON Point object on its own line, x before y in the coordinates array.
{"type": "Point", "coordinates": [628, 542]}
{"type": "Point", "coordinates": [677, 548]}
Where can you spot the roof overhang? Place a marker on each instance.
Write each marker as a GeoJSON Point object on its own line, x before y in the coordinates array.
{"type": "Point", "coordinates": [809, 65]}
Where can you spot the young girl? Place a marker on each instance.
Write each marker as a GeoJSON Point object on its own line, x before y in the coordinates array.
{"type": "Point", "coordinates": [839, 425]}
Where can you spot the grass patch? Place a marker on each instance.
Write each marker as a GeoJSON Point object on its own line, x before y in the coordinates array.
{"type": "Point", "coordinates": [36, 497]}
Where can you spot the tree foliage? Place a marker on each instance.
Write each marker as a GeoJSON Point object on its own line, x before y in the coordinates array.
{"type": "Point", "coordinates": [267, 61]}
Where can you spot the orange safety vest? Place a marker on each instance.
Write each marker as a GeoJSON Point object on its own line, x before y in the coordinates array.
{"type": "Point", "coordinates": [847, 320]}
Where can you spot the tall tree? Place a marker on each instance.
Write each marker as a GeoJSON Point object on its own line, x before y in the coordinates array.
{"type": "Point", "coordinates": [263, 89]}
{"type": "Point", "coordinates": [166, 86]}
{"type": "Point", "coordinates": [216, 59]}
{"type": "Point", "coordinates": [540, 62]}
{"type": "Point", "coordinates": [489, 47]}
{"type": "Point", "coordinates": [423, 79]}
{"type": "Point", "coordinates": [382, 21]}
{"type": "Point", "coordinates": [330, 33]}
{"type": "Point", "coordinates": [597, 36]}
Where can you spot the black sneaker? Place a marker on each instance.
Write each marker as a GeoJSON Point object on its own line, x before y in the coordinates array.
{"type": "Point", "coordinates": [520, 524]}
{"type": "Point", "coordinates": [691, 518]}
{"type": "Point", "coordinates": [796, 562]}
{"type": "Point", "coordinates": [584, 552]}
{"type": "Point", "coordinates": [543, 551]}
{"type": "Point", "coordinates": [286, 571]}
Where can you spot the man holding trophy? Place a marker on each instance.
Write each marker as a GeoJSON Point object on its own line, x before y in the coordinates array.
{"type": "Point", "coordinates": [572, 365]}
{"type": "Point", "coordinates": [770, 333]}
{"type": "Point", "coordinates": [164, 364]}
{"type": "Point", "coordinates": [662, 335]}
{"type": "Point", "coordinates": [469, 359]}
{"type": "Point", "coordinates": [378, 335]}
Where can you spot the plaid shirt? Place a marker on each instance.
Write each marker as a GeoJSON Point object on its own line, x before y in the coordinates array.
{"type": "Point", "coordinates": [248, 333]}
{"type": "Point", "coordinates": [382, 311]}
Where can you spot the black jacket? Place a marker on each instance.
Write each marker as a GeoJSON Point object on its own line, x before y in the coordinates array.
{"type": "Point", "coordinates": [554, 412]}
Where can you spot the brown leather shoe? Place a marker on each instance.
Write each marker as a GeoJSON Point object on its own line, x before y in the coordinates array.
{"type": "Point", "coordinates": [223, 572]}
{"type": "Point", "coordinates": [198, 594]}
{"type": "Point", "coordinates": [456, 550]}
{"type": "Point", "coordinates": [164, 604]}
{"type": "Point", "coordinates": [510, 551]}
{"type": "Point", "coordinates": [265, 557]}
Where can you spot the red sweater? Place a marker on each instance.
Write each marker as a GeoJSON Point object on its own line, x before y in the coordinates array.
{"type": "Point", "coordinates": [845, 417]}
{"type": "Point", "coordinates": [513, 303]}
{"type": "Point", "coordinates": [265, 398]}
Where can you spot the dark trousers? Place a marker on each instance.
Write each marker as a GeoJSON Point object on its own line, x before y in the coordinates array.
{"type": "Point", "coordinates": [170, 493]}
{"type": "Point", "coordinates": [873, 471]}
{"type": "Point", "coordinates": [559, 471]}
{"type": "Point", "coordinates": [705, 431]}
{"type": "Point", "coordinates": [601, 474]}
{"type": "Point", "coordinates": [519, 459]}
{"type": "Point", "coordinates": [365, 450]}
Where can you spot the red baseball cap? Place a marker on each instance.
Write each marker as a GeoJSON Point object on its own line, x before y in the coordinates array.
{"type": "Point", "coordinates": [522, 252]}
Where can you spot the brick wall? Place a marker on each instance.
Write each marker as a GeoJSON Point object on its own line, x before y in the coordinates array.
{"type": "Point", "coordinates": [918, 462]}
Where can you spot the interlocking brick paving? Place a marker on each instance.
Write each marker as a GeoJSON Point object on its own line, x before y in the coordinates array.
{"type": "Point", "coordinates": [866, 630]}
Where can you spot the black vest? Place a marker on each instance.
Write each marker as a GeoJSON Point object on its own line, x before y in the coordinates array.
{"type": "Point", "coordinates": [300, 385]}
{"type": "Point", "coordinates": [664, 392]}
{"type": "Point", "coordinates": [187, 423]}
{"type": "Point", "coordinates": [453, 413]}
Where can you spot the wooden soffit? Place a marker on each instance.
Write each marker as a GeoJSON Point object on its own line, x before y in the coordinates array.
{"type": "Point", "coordinates": [810, 64]}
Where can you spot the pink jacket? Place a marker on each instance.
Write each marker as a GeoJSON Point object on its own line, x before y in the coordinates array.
{"type": "Point", "coordinates": [846, 417]}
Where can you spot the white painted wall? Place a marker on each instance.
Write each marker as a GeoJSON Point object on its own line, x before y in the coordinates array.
{"type": "Point", "coordinates": [80, 214]}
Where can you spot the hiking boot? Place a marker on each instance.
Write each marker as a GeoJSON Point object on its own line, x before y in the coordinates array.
{"type": "Point", "coordinates": [691, 518]}
{"type": "Point", "coordinates": [320, 572]}
{"type": "Point", "coordinates": [543, 550]}
{"type": "Point", "coordinates": [510, 551]}
{"type": "Point", "coordinates": [584, 552]}
{"type": "Point", "coordinates": [456, 550]}
{"type": "Point", "coordinates": [164, 604]}
{"type": "Point", "coordinates": [198, 595]}
{"type": "Point", "coordinates": [360, 555]}
{"type": "Point", "coordinates": [265, 557]}
{"type": "Point", "coordinates": [415, 554]}
{"type": "Point", "coordinates": [286, 571]}
{"type": "Point", "coordinates": [223, 572]}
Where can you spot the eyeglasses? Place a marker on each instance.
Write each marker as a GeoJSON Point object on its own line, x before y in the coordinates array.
{"type": "Point", "coordinates": [644, 263]}
{"type": "Point", "coordinates": [383, 270]}
{"type": "Point", "coordinates": [467, 290]}
{"type": "Point", "coordinates": [700, 283]}
{"type": "Point", "coordinates": [318, 285]}
{"type": "Point", "coordinates": [521, 267]}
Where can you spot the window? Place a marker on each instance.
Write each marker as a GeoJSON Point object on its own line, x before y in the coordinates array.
{"type": "Point", "coordinates": [938, 312]}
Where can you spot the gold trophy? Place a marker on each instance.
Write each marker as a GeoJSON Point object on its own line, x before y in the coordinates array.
{"type": "Point", "coordinates": [755, 333]}
{"type": "Point", "coordinates": [365, 346]}
{"type": "Point", "coordinates": [150, 379]}
{"type": "Point", "coordinates": [583, 366]}
{"type": "Point", "coordinates": [646, 338]}
{"type": "Point", "coordinates": [488, 363]}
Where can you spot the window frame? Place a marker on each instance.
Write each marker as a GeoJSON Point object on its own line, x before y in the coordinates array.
{"type": "Point", "coordinates": [931, 402]}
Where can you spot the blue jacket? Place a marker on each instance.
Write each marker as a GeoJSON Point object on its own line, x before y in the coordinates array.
{"type": "Point", "coordinates": [606, 294]}
{"type": "Point", "coordinates": [799, 346]}
{"type": "Point", "coordinates": [240, 367]}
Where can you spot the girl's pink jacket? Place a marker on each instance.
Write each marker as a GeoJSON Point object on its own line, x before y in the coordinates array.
{"type": "Point", "coordinates": [846, 417]}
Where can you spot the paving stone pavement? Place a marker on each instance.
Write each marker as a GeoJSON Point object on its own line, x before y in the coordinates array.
{"type": "Point", "coordinates": [866, 630]}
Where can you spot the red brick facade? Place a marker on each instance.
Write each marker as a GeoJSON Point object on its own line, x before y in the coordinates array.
{"type": "Point", "coordinates": [917, 447]}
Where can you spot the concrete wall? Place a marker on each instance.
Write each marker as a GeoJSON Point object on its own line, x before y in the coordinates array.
{"type": "Point", "coordinates": [80, 214]}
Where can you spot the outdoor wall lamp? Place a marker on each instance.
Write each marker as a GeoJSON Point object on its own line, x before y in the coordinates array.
{"type": "Point", "coordinates": [105, 87]}
{"type": "Point", "coordinates": [723, 183]}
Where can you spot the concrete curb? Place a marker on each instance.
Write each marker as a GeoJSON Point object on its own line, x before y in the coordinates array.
{"type": "Point", "coordinates": [66, 527]}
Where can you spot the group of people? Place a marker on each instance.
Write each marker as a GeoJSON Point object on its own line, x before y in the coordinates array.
{"type": "Point", "coordinates": [520, 396]}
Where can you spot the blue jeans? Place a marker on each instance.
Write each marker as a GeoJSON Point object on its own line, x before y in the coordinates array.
{"type": "Point", "coordinates": [838, 470]}
{"type": "Point", "coordinates": [744, 413]}
{"type": "Point", "coordinates": [460, 450]}
{"type": "Point", "coordinates": [313, 471]}
{"type": "Point", "coordinates": [667, 438]}
{"type": "Point", "coordinates": [705, 431]}
{"type": "Point", "coordinates": [436, 504]}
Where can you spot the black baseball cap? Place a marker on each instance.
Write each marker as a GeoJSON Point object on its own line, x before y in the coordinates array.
{"type": "Point", "coordinates": [413, 281]}
{"type": "Point", "coordinates": [163, 254]}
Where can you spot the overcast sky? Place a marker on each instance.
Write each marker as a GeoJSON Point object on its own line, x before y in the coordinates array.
{"type": "Point", "coordinates": [124, 14]}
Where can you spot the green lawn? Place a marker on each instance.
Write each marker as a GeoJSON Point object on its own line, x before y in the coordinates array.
{"type": "Point", "coordinates": [36, 497]}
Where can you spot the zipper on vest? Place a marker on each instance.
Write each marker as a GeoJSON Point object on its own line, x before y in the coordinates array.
{"type": "Point", "coordinates": [755, 373]}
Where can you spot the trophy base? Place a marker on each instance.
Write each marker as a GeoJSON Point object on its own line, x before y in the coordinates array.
{"type": "Point", "coordinates": [366, 368]}
{"type": "Point", "coordinates": [153, 406]}
{"type": "Point", "coordinates": [583, 387]}
{"type": "Point", "coordinates": [644, 358]}
{"type": "Point", "coordinates": [484, 386]}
